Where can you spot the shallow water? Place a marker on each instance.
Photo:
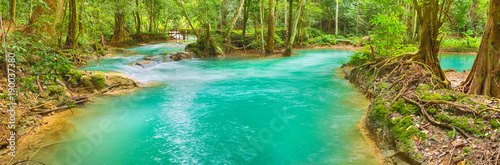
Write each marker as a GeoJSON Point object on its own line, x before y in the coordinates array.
{"type": "Point", "coordinates": [224, 111]}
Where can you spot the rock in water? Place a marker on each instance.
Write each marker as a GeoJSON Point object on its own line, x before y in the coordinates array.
{"type": "Point", "coordinates": [177, 56]}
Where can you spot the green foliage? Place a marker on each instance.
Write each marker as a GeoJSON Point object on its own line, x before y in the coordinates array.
{"type": "Point", "coordinates": [36, 58]}
{"type": "Point", "coordinates": [323, 40]}
{"type": "Point", "coordinates": [495, 123]}
{"type": "Point", "coordinates": [313, 32]}
{"type": "Point", "coordinates": [461, 45]}
{"type": "Point", "coordinates": [358, 57]}
{"type": "Point", "coordinates": [390, 34]}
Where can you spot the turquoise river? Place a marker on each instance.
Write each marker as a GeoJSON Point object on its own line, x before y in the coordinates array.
{"type": "Point", "coordinates": [232, 110]}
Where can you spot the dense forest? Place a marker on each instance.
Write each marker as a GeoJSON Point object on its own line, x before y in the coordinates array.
{"type": "Point", "coordinates": [394, 58]}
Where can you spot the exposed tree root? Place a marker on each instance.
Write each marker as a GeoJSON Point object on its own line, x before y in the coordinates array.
{"type": "Point", "coordinates": [434, 122]}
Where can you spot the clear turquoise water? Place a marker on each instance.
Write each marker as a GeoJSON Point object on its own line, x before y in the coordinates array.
{"type": "Point", "coordinates": [234, 110]}
{"type": "Point", "coordinates": [459, 62]}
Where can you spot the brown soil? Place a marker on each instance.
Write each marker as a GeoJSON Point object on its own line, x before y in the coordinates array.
{"type": "Point", "coordinates": [456, 77]}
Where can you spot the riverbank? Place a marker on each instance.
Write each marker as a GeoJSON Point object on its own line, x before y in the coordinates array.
{"type": "Point", "coordinates": [45, 123]}
{"type": "Point", "coordinates": [414, 120]}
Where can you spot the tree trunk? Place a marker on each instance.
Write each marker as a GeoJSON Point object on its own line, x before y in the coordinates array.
{"type": "Point", "coordinates": [188, 19]}
{"type": "Point", "coordinates": [336, 18]}
{"type": "Point", "coordinates": [119, 34]}
{"type": "Point", "coordinates": [270, 30]}
{"type": "Point", "coordinates": [286, 14]}
{"type": "Point", "coordinates": [292, 30]}
{"type": "Point", "coordinates": [13, 11]}
{"type": "Point", "coordinates": [80, 20]}
{"type": "Point", "coordinates": [484, 78]}
{"type": "Point", "coordinates": [54, 8]}
{"type": "Point", "coordinates": [245, 17]}
{"type": "Point", "coordinates": [431, 18]}
{"type": "Point", "coordinates": [329, 19]}
{"type": "Point", "coordinates": [71, 37]}
{"type": "Point", "coordinates": [227, 38]}
{"type": "Point", "coordinates": [138, 19]}
{"type": "Point", "coordinates": [261, 5]}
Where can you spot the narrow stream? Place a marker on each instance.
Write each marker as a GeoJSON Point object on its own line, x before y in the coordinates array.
{"type": "Point", "coordinates": [233, 110]}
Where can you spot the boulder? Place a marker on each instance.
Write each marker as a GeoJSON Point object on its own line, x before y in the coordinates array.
{"type": "Point", "coordinates": [177, 56]}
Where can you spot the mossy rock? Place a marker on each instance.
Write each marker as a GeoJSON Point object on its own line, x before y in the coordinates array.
{"type": "Point", "coordinates": [86, 81]}
{"type": "Point", "coordinates": [74, 76]}
{"type": "Point", "coordinates": [98, 79]}
{"type": "Point", "coordinates": [404, 108]}
{"type": "Point", "coordinates": [193, 47]}
{"type": "Point", "coordinates": [90, 80]}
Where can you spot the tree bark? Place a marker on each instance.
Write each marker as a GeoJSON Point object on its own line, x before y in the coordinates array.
{"type": "Point", "coordinates": [80, 20]}
{"type": "Point", "coordinates": [245, 17]}
{"type": "Point", "coordinates": [431, 18]}
{"type": "Point", "coordinates": [286, 14]}
{"type": "Point", "coordinates": [288, 53]}
{"type": "Point", "coordinates": [293, 29]}
{"type": "Point", "coordinates": [336, 18]}
{"type": "Point", "coordinates": [270, 30]}
{"type": "Point", "coordinates": [227, 38]}
{"type": "Point", "coordinates": [484, 78]}
{"type": "Point", "coordinates": [138, 19]}
{"type": "Point", "coordinates": [71, 37]}
{"type": "Point", "coordinates": [13, 11]}
{"type": "Point", "coordinates": [119, 34]}
{"type": "Point", "coordinates": [151, 20]}
{"type": "Point", "coordinates": [261, 5]}
{"type": "Point", "coordinates": [55, 8]}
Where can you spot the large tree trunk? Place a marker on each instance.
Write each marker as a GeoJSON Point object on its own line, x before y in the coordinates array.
{"type": "Point", "coordinates": [188, 19]}
{"type": "Point", "coordinates": [270, 30]}
{"type": "Point", "coordinates": [431, 18]}
{"type": "Point", "coordinates": [484, 77]}
{"type": "Point", "coordinates": [55, 8]}
{"type": "Point", "coordinates": [261, 6]}
{"type": "Point", "coordinates": [227, 38]}
{"type": "Point", "coordinates": [71, 37]}
{"type": "Point", "coordinates": [13, 11]}
{"type": "Point", "coordinates": [119, 34]}
{"type": "Point", "coordinates": [137, 19]}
